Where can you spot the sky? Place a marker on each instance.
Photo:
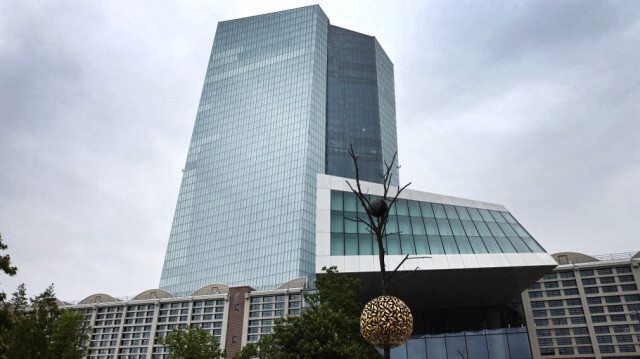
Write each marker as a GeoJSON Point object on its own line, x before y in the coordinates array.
{"type": "Point", "coordinates": [531, 104]}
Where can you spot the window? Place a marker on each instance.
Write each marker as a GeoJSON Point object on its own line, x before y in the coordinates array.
{"type": "Point", "coordinates": [586, 273]}
{"type": "Point", "coordinates": [547, 351]}
{"type": "Point", "coordinates": [557, 312]}
{"type": "Point", "coordinates": [607, 349]}
{"type": "Point", "coordinates": [567, 275]}
{"type": "Point", "coordinates": [598, 319]}
{"type": "Point", "coordinates": [582, 340]}
{"type": "Point", "coordinates": [539, 313]}
{"type": "Point", "coordinates": [555, 303]}
{"type": "Point", "coordinates": [607, 280]}
{"type": "Point", "coordinates": [626, 338]}
{"type": "Point", "coordinates": [621, 328]}
{"type": "Point", "coordinates": [627, 348]}
{"type": "Point", "coordinates": [541, 322]}
{"type": "Point", "coordinates": [535, 286]}
{"type": "Point", "coordinates": [585, 350]}
{"type": "Point", "coordinates": [580, 331]}
{"type": "Point", "coordinates": [604, 339]}
{"type": "Point", "coordinates": [605, 271]}
{"type": "Point", "coordinates": [537, 304]}
{"type": "Point", "coordinates": [575, 311]}
{"type": "Point", "coordinates": [628, 287]}
{"type": "Point", "coordinates": [598, 309]}
{"type": "Point", "coordinates": [620, 270]}
{"type": "Point", "coordinates": [550, 276]}
{"type": "Point", "coordinates": [569, 283]}
{"type": "Point", "coordinates": [609, 289]}
{"type": "Point", "coordinates": [574, 301]}
{"type": "Point", "coordinates": [632, 298]}
{"type": "Point", "coordinates": [594, 300]}
{"type": "Point", "coordinates": [553, 293]}
{"type": "Point", "coordinates": [562, 331]}
{"type": "Point", "coordinates": [559, 321]}
{"type": "Point", "coordinates": [591, 290]}
{"type": "Point", "coordinates": [613, 299]}
{"type": "Point", "coordinates": [571, 291]}
{"type": "Point", "coordinates": [543, 332]}
{"type": "Point", "coordinates": [602, 329]}
{"type": "Point", "coordinates": [618, 318]}
{"type": "Point", "coordinates": [535, 294]}
{"type": "Point", "coordinates": [578, 320]}
{"type": "Point", "coordinates": [565, 351]}
{"type": "Point", "coordinates": [545, 342]}
{"type": "Point", "coordinates": [625, 278]}
{"type": "Point", "coordinates": [615, 308]}
{"type": "Point", "coordinates": [551, 285]}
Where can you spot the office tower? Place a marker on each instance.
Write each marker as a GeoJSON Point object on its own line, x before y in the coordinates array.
{"type": "Point", "coordinates": [284, 96]}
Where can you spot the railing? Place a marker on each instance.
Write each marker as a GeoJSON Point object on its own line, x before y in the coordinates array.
{"type": "Point", "coordinates": [614, 256]}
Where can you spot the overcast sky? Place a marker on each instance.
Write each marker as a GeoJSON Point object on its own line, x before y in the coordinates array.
{"type": "Point", "coordinates": [533, 105]}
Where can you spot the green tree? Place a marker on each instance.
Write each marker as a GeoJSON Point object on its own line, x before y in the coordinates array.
{"type": "Point", "coordinates": [69, 336]}
{"type": "Point", "coordinates": [329, 328]}
{"type": "Point", "coordinates": [6, 318]}
{"type": "Point", "coordinates": [192, 343]}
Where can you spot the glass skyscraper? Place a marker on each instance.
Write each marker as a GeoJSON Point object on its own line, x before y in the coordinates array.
{"type": "Point", "coordinates": [284, 97]}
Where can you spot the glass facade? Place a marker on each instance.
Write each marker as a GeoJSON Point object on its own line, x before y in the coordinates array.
{"type": "Point", "coordinates": [284, 96]}
{"type": "Point", "coordinates": [489, 332]}
{"type": "Point", "coordinates": [360, 106]}
{"type": "Point", "coordinates": [427, 228]}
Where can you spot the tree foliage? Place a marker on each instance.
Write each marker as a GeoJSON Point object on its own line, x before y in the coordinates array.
{"type": "Point", "coordinates": [6, 319]}
{"type": "Point", "coordinates": [328, 328]}
{"type": "Point", "coordinates": [192, 343]}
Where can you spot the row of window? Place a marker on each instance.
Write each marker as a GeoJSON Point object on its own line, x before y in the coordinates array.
{"type": "Point", "coordinates": [587, 273]}
{"type": "Point", "coordinates": [587, 290]}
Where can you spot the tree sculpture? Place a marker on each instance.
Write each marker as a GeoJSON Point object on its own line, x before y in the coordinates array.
{"type": "Point", "coordinates": [386, 321]}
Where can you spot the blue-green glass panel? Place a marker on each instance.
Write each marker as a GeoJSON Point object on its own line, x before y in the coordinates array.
{"type": "Point", "coordinates": [477, 347]}
{"type": "Point", "coordinates": [401, 207]}
{"type": "Point", "coordinates": [449, 244]}
{"type": "Point", "coordinates": [336, 200]}
{"type": "Point", "coordinates": [414, 209]}
{"type": "Point", "coordinates": [506, 228]}
{"type": "Point", "coordinates": [469, 228]}
{"type": "Point", "coordinates": [486, 216]}
{"type": "Point", "coordinates": [475, 215]}
{"type": "Point", "coordinates": [392, 225]}
{"type": "Point", "coordinates": [362, 225]}
{"type": "Point", "coordinates": [435, 244]}
{"type": "Point", "coordinates": [350, 223]}
{"type": "Point", "coordinates": [431, 226]}
{"type": "Point", "coordinates": [337, 244]}
{"type": "Point", "coordinates": [519, 345]}
{"type": "Point", "coordinates": [393, 244]}
{"type": "Point", "coordinates": [392, 209]}
{"type": "Point", "coordinates": [450, 211]}
{"type": "Point", "coordinates": [462, 213]}
{"type": "Point", "coordinates": [498, 346]}
{"type": "Point", "coordinates": [443, 227]}
{"type": "Point", "coordinates": [497, 216]}
{"type": "Point", "coordinates": [508, 217]}
{"type": "Point", "coordinates": [404, 225]}
{"type": "Point", "coordinates": [438, 210]}
{"type": "Point", "coordinates": [506, 245]}
{"type": "Point", "coordinates": [519, 245]}
{"type": "Point", "coordinates": [482, 228]}
{"type": "Point", "coordinates": [408, 245]}
{"type": "Point", "coordinates": [491, 245]}
{"type": "Point", "coordinates": [351, 244]}
{"type": "Point", "coordinates": [456, 347]}
{"type": "Point", "coordinates": [456, 227]}
{"type": "Point", "coordinates": [337, 222]}
{"type": "Point", "coordinates": [463, 245]}
{"type": "Point", "coordinates": [495, 229]}
{"type": "Point", "coordinates": [422, 247]}
{"type": "Point", "coordinates": [427, 211]}
{"type": "Point", "coordinates": [350, 202]}
{"type": "Point", "coordinates": [417, 226]}
{"type": "Point", "coordinates": [365, 244]}
{"type": "Point", "coordinates": [533, 245]}
{"type": "Point", "coordinates": [521, 231]}
{"type": "Point", "coordinates": [478, 245]}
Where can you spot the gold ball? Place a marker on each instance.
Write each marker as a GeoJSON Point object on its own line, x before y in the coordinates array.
{"type": "Point", "coordinates": [386, 322]}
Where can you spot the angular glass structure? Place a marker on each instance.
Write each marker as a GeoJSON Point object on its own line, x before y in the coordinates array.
{"type": "Point", "coordinates": [284, 96]}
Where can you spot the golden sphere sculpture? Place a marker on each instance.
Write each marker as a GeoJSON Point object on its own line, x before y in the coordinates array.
{"type": "Point", "coordinates": [386, 322]}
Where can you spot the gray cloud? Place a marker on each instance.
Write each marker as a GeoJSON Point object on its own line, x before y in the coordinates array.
{"type": "Point", "coordinates": [529, 104]}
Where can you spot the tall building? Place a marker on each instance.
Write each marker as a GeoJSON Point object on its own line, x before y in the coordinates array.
{"type": "Point", "coordinates": [284, 97]}
{"type": "Point", "coordinates": [588, 307]}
